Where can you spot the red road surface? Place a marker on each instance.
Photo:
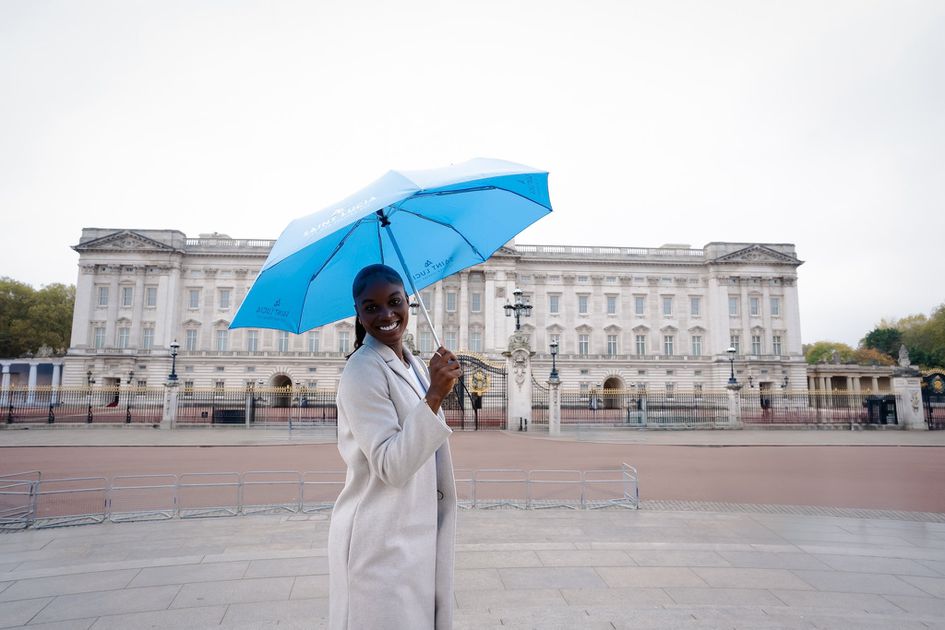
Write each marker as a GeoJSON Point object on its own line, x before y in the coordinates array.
{"type": "Point", "coordinates": [879, 477]}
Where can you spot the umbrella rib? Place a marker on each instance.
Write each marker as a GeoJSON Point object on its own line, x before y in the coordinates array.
{"type": "Point", "coordinates": [475, 189]}
{"type": "Point", "coordinates": [447, 225]}
{"type": "Point", "coordinates": [338, 247]}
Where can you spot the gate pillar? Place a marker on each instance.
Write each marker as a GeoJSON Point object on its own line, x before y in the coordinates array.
{"type": "Point", "coordinates": [734, 406]}
{"type": "Point", "coordinates": [554, 405]}
{"type": "Point", "coordinates": [519, 368]}
{"type": "Point", "coordinates": [909, 412]}
{"type": "Point", "coordinates": [169, 417]}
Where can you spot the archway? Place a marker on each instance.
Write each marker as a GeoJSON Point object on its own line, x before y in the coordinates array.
{"type": "Point", "coordinates": [614, 393]}
{"type": "Point", "coordinates": [282, 396]}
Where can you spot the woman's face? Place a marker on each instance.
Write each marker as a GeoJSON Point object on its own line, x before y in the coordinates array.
{"type": "Point", "coordinates": [383, 310]}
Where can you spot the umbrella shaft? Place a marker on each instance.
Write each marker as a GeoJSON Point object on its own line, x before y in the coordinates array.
{"type": "Point", "coordinates": [413, 288]}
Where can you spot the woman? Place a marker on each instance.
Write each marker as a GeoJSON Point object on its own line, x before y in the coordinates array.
{"type": "Point", "coordinates": [390, 544]}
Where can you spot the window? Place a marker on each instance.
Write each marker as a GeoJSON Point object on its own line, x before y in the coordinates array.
{"type": "Point", "coordinates": [224, 298]}
{"type": "Point", "coordinates": [582, 305]}
{"type": "Point", "coordinates": [667, 306]}
{"type": "Point", "coordinates": [697, 345]}
{"type": "Point", "coordinates": [218, 387]}
{"type": "Point", "coordinates": [733, 306]}
{"type": "Point", "coordinates": [190, 340]}
{"type": "Point", "coordinates": [695, 306]}
{"type": "Point", "coordinates": [127, 296]}
{"type": "Point", "coordinates": [641, 344]}
{"type": "Point", "coordinates": [427, 300]}
{"type": "Point", "coordinates": [451, 301]}
{"type": "Point", "coordinates": [611, 345]}
{"type": "Point", "coordinates": [475, 341]}
{"type": "Point", "coordinates": [756, 344]}
{"type": "Point", "coordinates": [583, 279]}
{"type": "Point", "coordinates": [754, 306]}
{"type": "Point", "coordinates": [283, 341]}
{"type": "Point", "coordinates": [583, 344]}
{"type": "Point", "coordinates": [475, 302]}
{"type": "Point", "coordinates": [222, 339]}
{"type": "Point", "coordinates": [193, 298]}
{"type": "Point", "coordinates": [776, 344]}
{"type": "Point", "coordinates": [668, 345]}
{"type": "Point", "coordinates": [639, 305]}
{"type": "Point", "coordinates": [313, 339]}
{"type": "Point", "coordinates": [450, 340]}
{"type": "Point", "coordinates": [670, 390]}
{"type": "Point", "coordinates": [252, 340]}
{"type": "Point", "coordinates": [611, 304]}
{"type": "Point", "coordinates": [426, 341]}
{"type": "Point", "coordinates": [344, 344]}
{"type": "Point", "coordinates": [147, 338]}
{"type": "Point", "coordinates": [554, 304]}
{"type": "Point", "coordinates": [585, 389]}
{"type": "Point", "coordinates": [697, 390]}
{"type": "Point", "coordinates": [123, 336]}
{"type": "Point", "coordinates": [734, 343]}
{"type": "Point", "coordinates": [150, 297]}
{"type": "Point", "coordinates": [188, 389]}
{"type": "Point", "coordinates": [775, 306]}
{"type": "Point", "coordinates": [103, 296]}
{"type": "Point", "coordinates": [99, 336]}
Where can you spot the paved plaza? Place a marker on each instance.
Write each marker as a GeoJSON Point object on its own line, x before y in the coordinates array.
{"type": "Point", "coordinates": [515, 569]}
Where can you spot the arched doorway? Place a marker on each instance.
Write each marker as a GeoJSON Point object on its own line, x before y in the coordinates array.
{"type": "Point", "coordinates": [614, 393]}
{"type": "Point", "coordinates": [282, 396]}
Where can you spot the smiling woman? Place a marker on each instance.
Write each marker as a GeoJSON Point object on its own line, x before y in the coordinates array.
{"type": "Point", "coordinates": [390, 544]}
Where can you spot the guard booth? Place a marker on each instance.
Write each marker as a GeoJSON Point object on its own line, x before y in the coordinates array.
{"type": "Point", "coordinates": [881, 409]}
{"type": "Point", "coordinates": [933, 399]}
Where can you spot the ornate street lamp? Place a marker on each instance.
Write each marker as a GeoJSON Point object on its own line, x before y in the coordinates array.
{"type": "Point", "coordinates": [174, 347]}
{"type": "Point", "coordinates": [731, 358]}
{"type": "Point", "coordinates": [554, 354]}
{"type": "Point", "coordinates": [89, 381]}
{"type": "Point", "coordinates": [131, 376]}
{"type": "Point", "coordinates": [519, 308]}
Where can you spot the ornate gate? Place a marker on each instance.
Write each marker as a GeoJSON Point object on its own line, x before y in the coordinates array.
{"type": "Point", "coordinates": [479, 399]}
{"type": "Point", "coordinates": [933, 395]}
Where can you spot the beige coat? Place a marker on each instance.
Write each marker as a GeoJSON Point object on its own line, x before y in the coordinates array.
{"type": "Point", "coordinates": [390, 544]}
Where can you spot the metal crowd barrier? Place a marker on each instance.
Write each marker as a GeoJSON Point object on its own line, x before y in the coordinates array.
{"type": "Point", "coordinates": [29, 501]}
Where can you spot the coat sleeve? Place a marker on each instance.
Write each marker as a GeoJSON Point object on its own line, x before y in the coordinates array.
{"type": "Point", "coordinates": [393, 452]}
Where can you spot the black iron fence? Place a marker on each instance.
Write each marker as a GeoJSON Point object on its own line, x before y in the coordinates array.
{"type": "Point", "coordinates": [838, 409]}
{"type": "Point", "coordinates": [293, 407]}
{"type": "Point", "coordinates": [637, 409]}
{"type": "Point", "coordinates": [82, 405]}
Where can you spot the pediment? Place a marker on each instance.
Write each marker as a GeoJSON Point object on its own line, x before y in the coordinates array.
{"type": "Point", "coordinates": [123, 240]}
{"type": "Point", "coordinates": [612, 328]}
{"type": "Point", "coordinates": [757, 254]}
{"type": "Point", "coordinates": [554, 328]}
{"type": "Point", "coordinates": [669, 329]}
{"type": "Point", "coordinates": [697, 330]}
{"type": "Point", "coordinates": [221, 322]}
{"type": "Point", "coordinates": [641, 329]}
{"type": "Point", "coordinates": [583, 328]}
{"type": "Point", "coordinates": [191, 322]}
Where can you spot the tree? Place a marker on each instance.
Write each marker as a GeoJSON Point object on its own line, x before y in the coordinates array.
{"type": "Point", "coordinates": [30, 319]}
{"type": "Point", "coordinates": [872, 356]}
{"type": "Point", "coordinates": [883, 339]}
{"type": "Point", "coordinates": [822, 352]}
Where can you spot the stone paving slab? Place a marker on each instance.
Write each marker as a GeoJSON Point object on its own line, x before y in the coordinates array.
{"type": "Point", "coordinates": [515, 569]}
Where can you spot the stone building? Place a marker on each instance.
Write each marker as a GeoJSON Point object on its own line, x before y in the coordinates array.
{"type": "Point", "coordinates": [624, 317]}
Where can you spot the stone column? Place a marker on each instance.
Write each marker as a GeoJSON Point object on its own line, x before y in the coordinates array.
{"type": "Point", "coordinates": [5, 386]}
{"type": "Point", "coordinates": [31, 383]}
{"type": "Point", "coordinates": [463, 310]}
{"type": "Point", "coordinates": [875, 389]}
{"type": "Point", "coordinates": [519, 370]}
{"type": "Point", "coordinates": [554, 406]}
{"type": "Point", "coordinates": [489, 344]}
{"type": "Point", "coordinates": [169, 417]}
{"type": "Point", "coordinates": [734, 406]}
{"type": "Point", "coordinates": [54, 385]}
{"type": "Point", "coordinates": [908, 391]}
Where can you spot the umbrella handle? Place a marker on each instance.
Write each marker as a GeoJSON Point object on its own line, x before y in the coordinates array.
{"type": "Point", "coordinates": [413, 288]}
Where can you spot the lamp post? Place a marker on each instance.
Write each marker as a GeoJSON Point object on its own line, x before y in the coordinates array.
{"type": "Point", "coordinates": [554, 354]}
{"type": "Point", "coordinates": [173, 375]}
{"type": "Point", "coordinates": [731, 358]}
{"type": "Point", "coordinates": [520, 308]}
{"type": "Point", "coordinates": [131, 375]}
{"type": "Point", "coordinates": [89, 381]}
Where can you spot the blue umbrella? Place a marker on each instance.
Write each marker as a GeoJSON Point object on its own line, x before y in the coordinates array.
{"type": "Point", "coordinates": [425, 224]}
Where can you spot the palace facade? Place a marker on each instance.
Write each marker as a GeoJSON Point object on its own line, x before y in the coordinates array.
{"type": "Point", "coordinates": [623, 317]}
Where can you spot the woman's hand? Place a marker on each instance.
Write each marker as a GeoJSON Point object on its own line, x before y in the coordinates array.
{"type": "Point", "coordinates": [445, 369]}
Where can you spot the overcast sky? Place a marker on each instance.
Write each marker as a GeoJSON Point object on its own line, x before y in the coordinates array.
{"type": "Point", "coordinates": [816, 123]}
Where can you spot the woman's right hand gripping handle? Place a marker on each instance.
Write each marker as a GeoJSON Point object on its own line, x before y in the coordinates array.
{"type": "Point", "coordinates": [445, 369]}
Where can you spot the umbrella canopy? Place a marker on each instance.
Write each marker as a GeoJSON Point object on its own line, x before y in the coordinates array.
{"type": "Point", "coordinates": [425, 224]}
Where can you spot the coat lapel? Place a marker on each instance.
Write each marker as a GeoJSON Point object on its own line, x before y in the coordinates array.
{"type": "Point", "coordinates": [396, 364]}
